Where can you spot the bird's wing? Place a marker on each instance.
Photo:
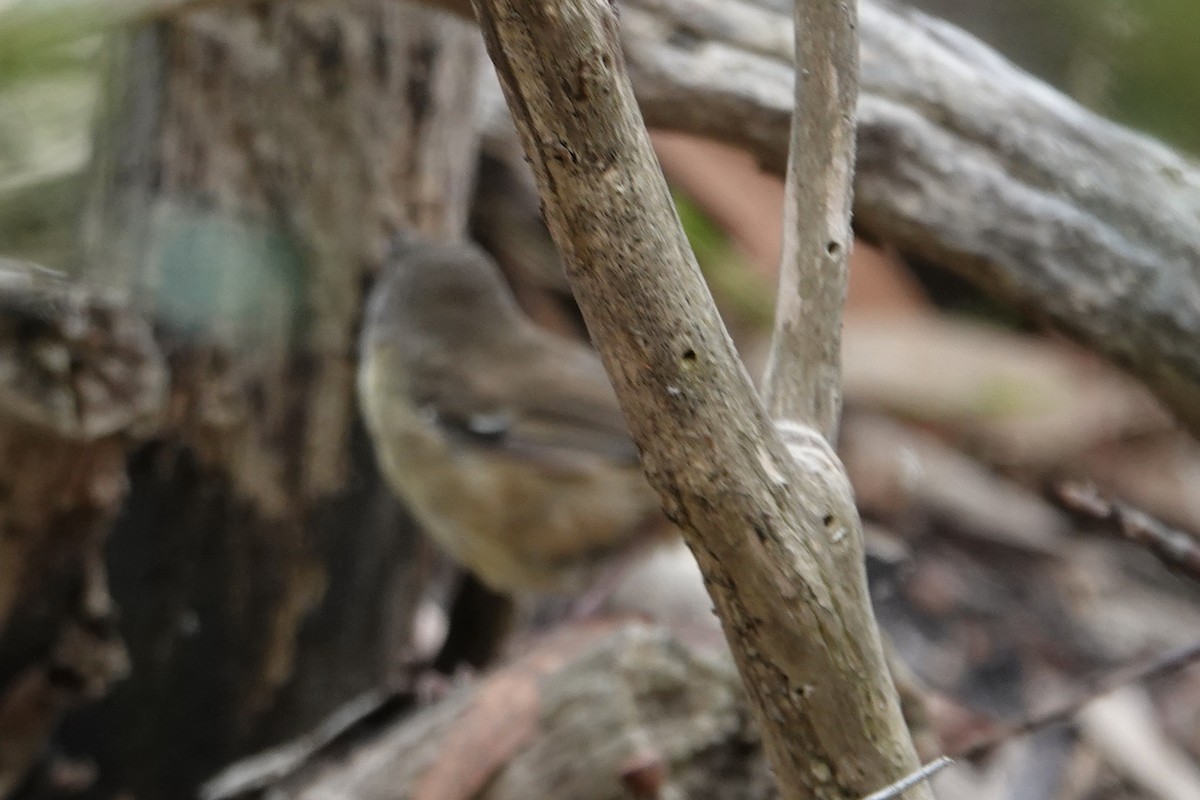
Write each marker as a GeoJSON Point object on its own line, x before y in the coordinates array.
{"type": "Point", "coordinates": [559, 411]}
{"type": "Point", "coordinates": [571, 402]}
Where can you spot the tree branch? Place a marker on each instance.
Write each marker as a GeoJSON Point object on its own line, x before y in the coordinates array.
{"type": "Point", "coordinates": [1177, 549]}
{"type": "Point", "coordinates": [967, 161]}
{"type": "Point", "coordinates": [779, 545]}
{"type": "Point", "coordinates": [804, 372]}
{"type": "Point", "coordinates": [962, 158]}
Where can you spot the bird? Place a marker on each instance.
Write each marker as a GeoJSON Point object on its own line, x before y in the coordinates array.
{"type": "Point", "coordinates": [504, 440]}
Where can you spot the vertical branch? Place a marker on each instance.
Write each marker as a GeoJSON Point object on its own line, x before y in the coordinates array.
{"type": "Point", "coordinates": [803, 380]}
{"type": "Point", "coordinates": [776, 536]}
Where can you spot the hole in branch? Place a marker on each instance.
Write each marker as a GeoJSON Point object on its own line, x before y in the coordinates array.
{"type": "Point", "coordinates": [833, 248]}
{"type": "Point", "coordinates": [689, 355]}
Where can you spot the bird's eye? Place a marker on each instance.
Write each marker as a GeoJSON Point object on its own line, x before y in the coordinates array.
{"type": "Point", "coordinates": [490, 426]}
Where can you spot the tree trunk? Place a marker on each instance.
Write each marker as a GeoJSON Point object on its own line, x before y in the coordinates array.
{"type": "Point", "coordinates": [251, 168]}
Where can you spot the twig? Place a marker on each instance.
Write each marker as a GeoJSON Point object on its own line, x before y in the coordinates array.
{"type": "Point", "coordinates": [1178, 550]}
{"type": "Point", "coordinates": [1096, 687]}
{"type": "Point", "coordinates": [803, 382]}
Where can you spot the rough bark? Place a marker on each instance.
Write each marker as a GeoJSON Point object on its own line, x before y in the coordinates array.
{"type": "Point", "coordinates": [252, 165]}
{"type": "Point", "coordinates": [802, 387]}
{"type": "Point", "coordinates": [803, 382]}
{"type": "Point", "coordinates": [1107, 231]}
{"type": "Point", "coordinates": [967, 161]}
{"type": "Point", "coordinates": [777, 539]}
{"type": "Point", "coordinates": [79, 372]}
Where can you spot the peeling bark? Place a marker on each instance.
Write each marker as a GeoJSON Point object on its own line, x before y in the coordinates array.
{"type": "Point", "coordinates": [79, 373]}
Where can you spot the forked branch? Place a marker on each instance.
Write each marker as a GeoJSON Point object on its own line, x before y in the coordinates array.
{"type": "Point", "coordinates": [778, 539]}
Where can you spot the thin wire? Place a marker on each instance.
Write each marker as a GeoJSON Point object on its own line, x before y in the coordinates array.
{"type": "Point", "coordinates": [908, 781]}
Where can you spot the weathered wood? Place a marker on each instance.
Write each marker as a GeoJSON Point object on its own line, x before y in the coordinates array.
{"type": "Point", "coordinates": [969, 162]}
{"type": "Point", "coordinates": [802, 387]}
{"type": "Point", "coordinates": [588, 714]}
{"type": "Point", "coordinates": [777, 539]}
{"type": "Point", "coordinates": [803, 381]}
{"type": "Point", "coordinates": [963, 159]}
{"type": "Point", "coordinates": [79, 372]}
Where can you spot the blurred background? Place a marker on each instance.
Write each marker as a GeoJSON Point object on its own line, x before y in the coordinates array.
{"type": "Point", "coordinates": [998, 594]}
{"type": "Point", "coordinates": [1135, 62]}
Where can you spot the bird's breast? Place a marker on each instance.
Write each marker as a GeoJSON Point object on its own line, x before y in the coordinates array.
{"type": "Point", "coordinates": [517, 526]}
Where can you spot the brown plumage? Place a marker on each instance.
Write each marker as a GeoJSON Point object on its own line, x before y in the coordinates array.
{"type": "Point", "coordinates": [505, 440]}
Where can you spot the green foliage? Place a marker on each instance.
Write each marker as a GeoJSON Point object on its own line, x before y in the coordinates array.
{"type": "Point", "coordinates": [1156, 77]}
{"type": "Point", "coordinates": [49, 54]}
{"type": "Point", "coordinates": [737, 287]}
{"type": "Point", "coordinates": [42, 38]}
